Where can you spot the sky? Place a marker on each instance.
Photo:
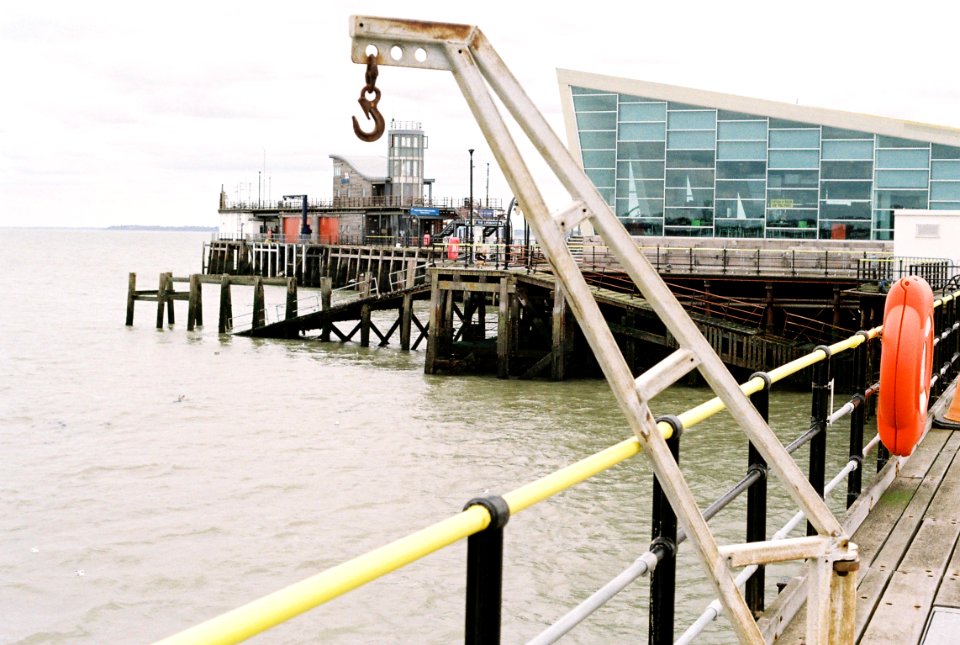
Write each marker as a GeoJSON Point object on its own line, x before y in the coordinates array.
{"type": "Point", "coordinates": [134, 113]}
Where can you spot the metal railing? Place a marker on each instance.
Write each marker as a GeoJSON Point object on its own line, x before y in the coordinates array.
{"type": "Point", "coordinates": [483, 520]}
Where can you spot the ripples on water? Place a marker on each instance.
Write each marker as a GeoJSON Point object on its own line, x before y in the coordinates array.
{"type": "Point", "coordinates": [153, 479]}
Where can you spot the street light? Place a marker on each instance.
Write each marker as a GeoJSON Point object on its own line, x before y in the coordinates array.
{"type": "Point", "coordinates": [470, 233]}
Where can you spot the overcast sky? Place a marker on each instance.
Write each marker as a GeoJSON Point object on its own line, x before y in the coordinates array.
{"type": "Point", "coordinates": [137, 113]}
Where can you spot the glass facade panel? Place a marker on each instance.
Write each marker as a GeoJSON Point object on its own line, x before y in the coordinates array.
{"type": "Point", "coordinates": [684, 178]}
{"type": "Point", "coordinates": [691, 139]}
{"type": "Point", "coordinates": [688, 216]}
{"type": "Point", "coordinates": [640, 207]}
{"type": "Point", "coordinates": [793, 179]}
{"type": "Point", "coordinates": [794, 159]}
{"type": "Point", "coordinates": [702, 120]}
{"type": "Point", "coordinates": [741, 170]}
{"type": "Point", "coordinates": [860, 150]}
{"type": "Point", "coordinates": [792, 198]}
{"type": "Point", "coordinates": [844, 230]}
{"type": "Point", "coordinates": [945, 170]}
{"type": "Point", "coordinates": [743, 189]}
{"type": "Point", "coordinates": [838, 209]}
{"type": "Point", "coordinates": [944, 152]}
{"type": "Point", "coordinates": [597, 120]}
{"type": "Point", "coordinates": [847, 170]}
{"type": "Point", "coordinates": [890, 199]}
{"type": "Point", "coordinates": [685, 159]}
{"type": "Point", "coordinates": [739, 228]}
{"type": "Point", "coordinates": [794, 138]}
{"type": "Point", "coordinates": [643, 111]}
{"type": "Point", "coordinates": [742, 131]}
{"type": "Point", "coordinates": [642, 131]}
{"type": "Point", "coordinates": [737, 150]}
{"type": "Point", "coordinates": [945, 206]}
{"type": "Point", "coordinates": [903, 159]}
{"type": "Point", "coordinates": [638, 189]}
{"type": "Point", "coordinates": [839, 133]}
{"type": "Point", "coordinates": [945, 191]}
{"type": "Point", "coordinates": [644, 227]}
{"type": "Point", "coordinates": [630, 150]}
{"type": "Point", "coordinates": [902, 178]}
{"type": "Point", "coordinates": [640, 170]}
{"type": "Point", "coordinates": [739, 209]}
{"type": "Point", "coordinates": [692, 197]}
{"type": "Point", "coordinates": [598, 140]}
{"type": "Point", "coordinates": [601, 177]}
{"type": "Point", "coordinates": [599, 158]}
{"type": "Point", "coordinates": [595, 103]}
{"type": "Point", "coordinates": [846, 190]}
{"type": "Point", "coordinates": [893, 142]}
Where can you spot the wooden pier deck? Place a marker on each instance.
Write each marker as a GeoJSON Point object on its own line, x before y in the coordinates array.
{"type": "Point", "coordinates": [909, 573]}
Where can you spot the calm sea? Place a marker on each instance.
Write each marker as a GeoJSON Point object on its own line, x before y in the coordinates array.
{"type": "Point", "coordinates": [152, 479]}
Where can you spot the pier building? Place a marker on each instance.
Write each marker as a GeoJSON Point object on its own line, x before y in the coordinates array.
{"type": "Point", "coordinates": [675, 161]}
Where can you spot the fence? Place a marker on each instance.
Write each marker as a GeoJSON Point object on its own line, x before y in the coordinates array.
{"type": "Point", "coordinates": [483, 520]}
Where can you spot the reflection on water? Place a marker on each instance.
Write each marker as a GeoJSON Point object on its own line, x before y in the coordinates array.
{"type": "Point", "coordinates": [154, 479]}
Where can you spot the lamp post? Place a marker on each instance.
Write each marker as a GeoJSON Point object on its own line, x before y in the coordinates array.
{"type": "Point", "coordinates": [470, 232]}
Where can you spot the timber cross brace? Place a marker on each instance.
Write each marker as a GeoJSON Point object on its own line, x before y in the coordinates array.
{"type": "Point", "coordinates": [478, 70]}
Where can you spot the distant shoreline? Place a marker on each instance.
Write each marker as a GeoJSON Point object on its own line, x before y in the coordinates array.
{"type": "Point", "coordinates": [148, 227]}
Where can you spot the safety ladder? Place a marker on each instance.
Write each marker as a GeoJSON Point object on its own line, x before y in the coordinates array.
{"type": "Point", "coordinates": [480, 73]}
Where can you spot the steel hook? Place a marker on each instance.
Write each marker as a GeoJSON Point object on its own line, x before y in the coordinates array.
{"type": "Point", "coordinates": [371, 111]}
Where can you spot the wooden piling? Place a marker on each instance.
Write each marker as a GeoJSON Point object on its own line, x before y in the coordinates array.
{"type": "Point", "coordinates": [562, 335]}
{"type": "Point", "coordinates": [226, 306]}
{"type": "Point", "coordinates": [406, 319]}
{"type": "Point", "coordinates": [195, 303]}
{"type": "Point", "coordinates": [436, 318]}
{"type": "Point", "coordinates": [365, 325]}
{"type": "Point", "coordinates": [291, 310]}
{"type": "Point", "coordinates": [131, 297]}
{"type": "Point", "coordinates": [504, 330]}
{"type": "Point", "coordinates": [259, 308]}
{"type": "Point", "coordinates": [326, 296]}
{"type": "Point", "coordinates": [161, 299]}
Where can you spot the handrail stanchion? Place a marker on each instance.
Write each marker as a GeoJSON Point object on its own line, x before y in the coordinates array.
{"type": "Point", "coordinates": [485, 573]}
{"type": "Point", "coordinates": [757, 498]}
{"type": "Point", "coordinates": [857, 416]}
{"type": "Point", "coordinates": [819, 412]}
{"type": "Point", "coordinates": [663, 579]}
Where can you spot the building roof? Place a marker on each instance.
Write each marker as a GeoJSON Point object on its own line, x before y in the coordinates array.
{"type": "Point", "coordinates": [760, 107]}
{"type": "Point", "coordinates": [371, 168]}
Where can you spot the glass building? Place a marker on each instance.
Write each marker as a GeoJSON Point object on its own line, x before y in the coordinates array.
{"type": "Point", "coordinates": [679, 162]}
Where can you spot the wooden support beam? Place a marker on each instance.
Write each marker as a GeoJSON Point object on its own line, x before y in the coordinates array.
{"type": "Point", "coordinates": [131, 297]}
{"type": "Point", "coordinates": [225, 323]}
{"type": "Point", "coordinates": [385, 338]}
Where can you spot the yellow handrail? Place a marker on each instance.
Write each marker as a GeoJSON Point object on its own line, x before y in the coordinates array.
{"type": "Point", "coordinates": [271, 610]}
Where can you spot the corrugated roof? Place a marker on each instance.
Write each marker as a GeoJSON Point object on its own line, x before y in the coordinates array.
{"type": "Point", "coordinates": [371, 168]}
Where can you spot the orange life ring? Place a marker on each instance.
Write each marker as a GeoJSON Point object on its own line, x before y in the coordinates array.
{"type": "Point", "coordinates": [906, 363]}
{"type": "Point", "coordinates": [453, 248]}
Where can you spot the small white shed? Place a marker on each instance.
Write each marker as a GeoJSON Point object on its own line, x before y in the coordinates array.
{"type": "Point", "coordinates": [927, 234]}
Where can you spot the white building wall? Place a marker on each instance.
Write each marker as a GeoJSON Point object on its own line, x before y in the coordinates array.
{"type": "Point", "coordinates": [927, 234]}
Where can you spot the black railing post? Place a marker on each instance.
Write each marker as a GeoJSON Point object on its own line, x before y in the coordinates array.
{"type": "Point", "coordinates": [485, 574]}
{"type": "Point", "coordinates": [819, 412]}
{"type": "Point", "coordinates": [663, 579]}
{"type": "Point", "coordinates": [757, 498]}
{"type": "Point", "coordinates": [857, 416]}
{"type": "Point", "coordinates": [938, 355]}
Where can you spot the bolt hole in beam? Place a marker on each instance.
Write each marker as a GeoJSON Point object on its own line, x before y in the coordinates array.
{"type": "Point", "coordinates": [420, 54]}
{"type": "Point", "coordinates": [396, 52]}
{"type": "Point", "coordinates": [371, 49]}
